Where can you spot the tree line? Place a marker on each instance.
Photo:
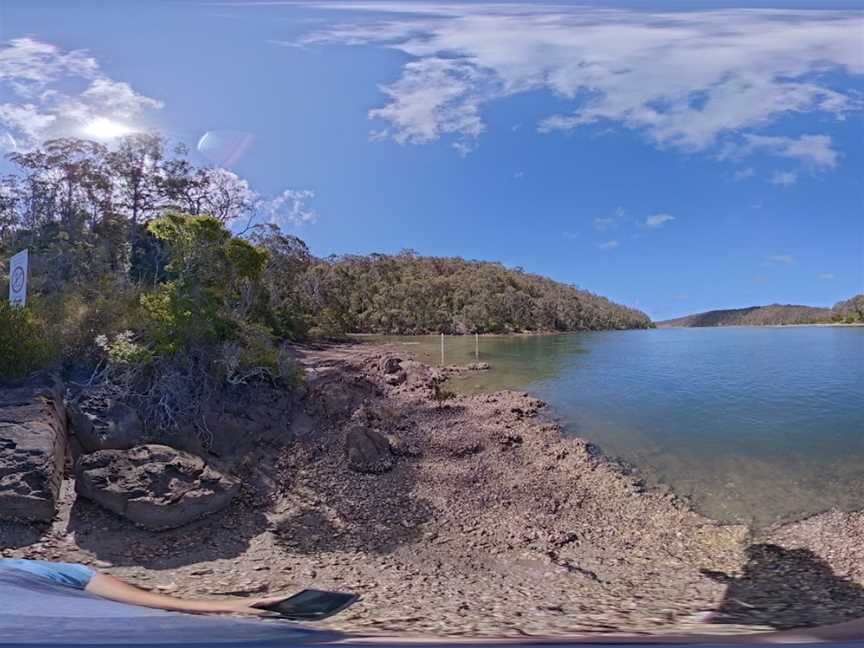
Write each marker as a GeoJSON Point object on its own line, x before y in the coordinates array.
{"type": "Point", "coordinates": [137, 254]}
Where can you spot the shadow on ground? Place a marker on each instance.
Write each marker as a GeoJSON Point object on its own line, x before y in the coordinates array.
{"type": "Point", "coordinates": [14, 535]}
{"type": "Point", "coordinates": [226, 534]}
{"type": "Point", "coordinates": [787, 588]}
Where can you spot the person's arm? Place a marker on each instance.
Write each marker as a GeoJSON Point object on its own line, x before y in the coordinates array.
{"type": "Point", "coordinates": [115, 589]}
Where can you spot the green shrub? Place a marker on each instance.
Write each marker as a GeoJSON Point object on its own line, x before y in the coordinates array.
{"type": "Point", "coordinates": [76, 317]}
{"type": "Point", "coordinates": [24, 342]}
{"type": "Point", "coordinates": [123, 349]}
{"type": "Point", "coordinates": [178, 316]}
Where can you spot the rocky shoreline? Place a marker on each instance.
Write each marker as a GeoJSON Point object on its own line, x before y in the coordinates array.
{"type": "Point", "coordinates": [462, 515]}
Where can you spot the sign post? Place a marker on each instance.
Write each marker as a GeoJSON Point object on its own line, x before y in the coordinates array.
{"type": "Point", "coordinates": [19, 266]}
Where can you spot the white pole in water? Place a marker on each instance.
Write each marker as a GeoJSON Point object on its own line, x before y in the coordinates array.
{"type": "Point", "coordinates": [442, 349]}
{"type": "Point", "coordinates": [476, 347]}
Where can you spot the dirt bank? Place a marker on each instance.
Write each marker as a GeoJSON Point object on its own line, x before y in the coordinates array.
{"type": "Point", "coordinates": [489, 523]}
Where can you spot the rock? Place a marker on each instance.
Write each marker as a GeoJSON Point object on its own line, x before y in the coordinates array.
{"type": "Point", "coordinates": [391, 365]}
{"type": "Point", "coordinates": [420, 375]}
{"type": "Point", "coordinates": [32, 448]}
{"type": "Point", "coordinates": [367, 450]}
{"type": "Point", "coordinates": [333, 396]}
{"type": "Point", "coordinates": [155, 486]}
{"type": "Point", "coordinates": [101, 423]}
{"type": "Point", "coordinates": [401, 449]}
{"type": "Point", "coordinates": [479, 366]}
{"type": "Point", "coordinates": [396, 378]}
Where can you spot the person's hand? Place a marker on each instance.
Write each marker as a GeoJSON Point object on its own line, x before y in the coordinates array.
{"type": "Point", "coordinates": [249, 606]}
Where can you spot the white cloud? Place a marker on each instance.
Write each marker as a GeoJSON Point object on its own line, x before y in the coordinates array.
{"type": "Point", "coordinates": [742, 174]}
{"type": "Point", "coordinates": [435, 96]}
{"type": "Point", "coordinates": [784, 178]}
{"type": "Point", "coordinates": [826, 276]}
{"type": "Point", "coordinates": [289, 208]}
{"type": "Point", "coordinates": [785, 259]}
{"type": "Point", "coordinates": [813, 150]}
{"type": "Point", "coordinates": [658, 220]}
{"type": "Point", "coordinates": [518, 175]}
{"type": "Point", "coordinates": [38, 78]}
{"type": "Point", "coordinates": [603, 224]}
{"type": "Point", "coordinates": [608, 245]}
{"type": "Point", "coordinates": [571, 235]}
{"type": "Point", "coordinates": [688, 80]}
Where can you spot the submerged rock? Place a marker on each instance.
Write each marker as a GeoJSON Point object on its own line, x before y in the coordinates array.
{"type": "Point", "coordinates": [101, 423]}
{"type": "Point", "coordinates": [32, 449]}
{"type": "Point", "coordinates": [154, 486]}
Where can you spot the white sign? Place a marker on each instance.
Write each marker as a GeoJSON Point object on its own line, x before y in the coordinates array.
{"type": "Point", "coordinates": [19, 266]}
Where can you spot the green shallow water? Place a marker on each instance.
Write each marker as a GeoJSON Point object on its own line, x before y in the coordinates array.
{"type": "Point", "coordinates": [754, 425]}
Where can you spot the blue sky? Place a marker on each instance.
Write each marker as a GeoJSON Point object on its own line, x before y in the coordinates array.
{"type": "Point", "coordinates": [671, 159]}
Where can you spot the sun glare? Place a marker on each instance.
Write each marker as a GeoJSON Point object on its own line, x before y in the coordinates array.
{"type": "Point", "coordinates": [102, 128]}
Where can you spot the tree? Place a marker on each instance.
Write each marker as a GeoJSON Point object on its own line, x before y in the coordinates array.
{"type": "Point", "coordinates": [137, 174]}
{"type": "Point", "coordinates": [212, 277]}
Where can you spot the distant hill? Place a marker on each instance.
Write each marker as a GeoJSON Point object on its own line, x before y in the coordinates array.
{"type": "Point", "coordinates": [771, 315]}
{"type": "Point", "coordinates": [850, 311]}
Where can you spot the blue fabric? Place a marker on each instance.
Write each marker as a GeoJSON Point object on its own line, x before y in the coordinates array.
{"type": "Point", "coordinates": [68, 574]}
{"type": "Point", "coordinates": [35, 608]}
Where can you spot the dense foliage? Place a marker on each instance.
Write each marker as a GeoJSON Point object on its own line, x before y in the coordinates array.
{"type": "Point", "coordinates": [134, 261]}
{"type": "Point", "coordinates": [24, 345]}
{"type": "Point", "coordinates": [412, 294]}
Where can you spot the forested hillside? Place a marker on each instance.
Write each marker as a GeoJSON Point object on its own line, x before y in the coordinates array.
{"type": "Point", "coordinates": [140, 257]}
{"type": "Point", "coordinates": [849, 311]}
{"type": "Point", "coordinates": [412, 294]}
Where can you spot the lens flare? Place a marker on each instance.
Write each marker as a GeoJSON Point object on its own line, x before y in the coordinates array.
{"type": "Point", "coordinates": [224, 148]}
{"type": "Point", "coordinates": [8, 143]}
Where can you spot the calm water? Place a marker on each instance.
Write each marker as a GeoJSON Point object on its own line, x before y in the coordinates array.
{"type": "Point", "coordinates": [753, 425]}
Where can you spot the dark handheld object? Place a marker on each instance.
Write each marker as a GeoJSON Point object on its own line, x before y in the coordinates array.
{"type": "Point", "coordinates": [311, 605]}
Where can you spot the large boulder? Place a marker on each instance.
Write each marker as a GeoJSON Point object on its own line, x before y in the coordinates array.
{"type": "Point", "coordinates": [101, 423]}
{"type": "Point", "coordinates": [391, 365]}
{"type": "Point", "coordinates": [367, 450]}
{"type": "Point", "coordinates": [32, 449]}
{"type": "Point", "coordinates": [155, 486]}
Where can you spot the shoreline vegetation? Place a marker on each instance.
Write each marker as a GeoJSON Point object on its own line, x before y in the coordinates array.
{"type": "Point", "coordinates": [475, 507]}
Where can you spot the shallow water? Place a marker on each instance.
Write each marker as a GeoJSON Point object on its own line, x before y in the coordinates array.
{"type": "Point", "coordinates": [754, 425]}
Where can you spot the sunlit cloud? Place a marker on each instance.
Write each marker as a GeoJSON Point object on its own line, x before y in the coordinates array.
{"type": "Point", "coordinates": [658, 220]}
{"type": "Point", "coordinates": [608, 245]}
{"type": "Point", "coordinates": [689, 81]}
{"type": "Point", "coordinates": [813, 150]}
{"type": "Point", "coordinates": [743, 174]}
{"type": "Point", "coordinates": [102, 128]}
{"type": "Point", "coordinates": [784, 259]}
{"type": "Point", "coordinates": [289, 209]}
{"type": "Point", "coordinates": [35, 81]}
